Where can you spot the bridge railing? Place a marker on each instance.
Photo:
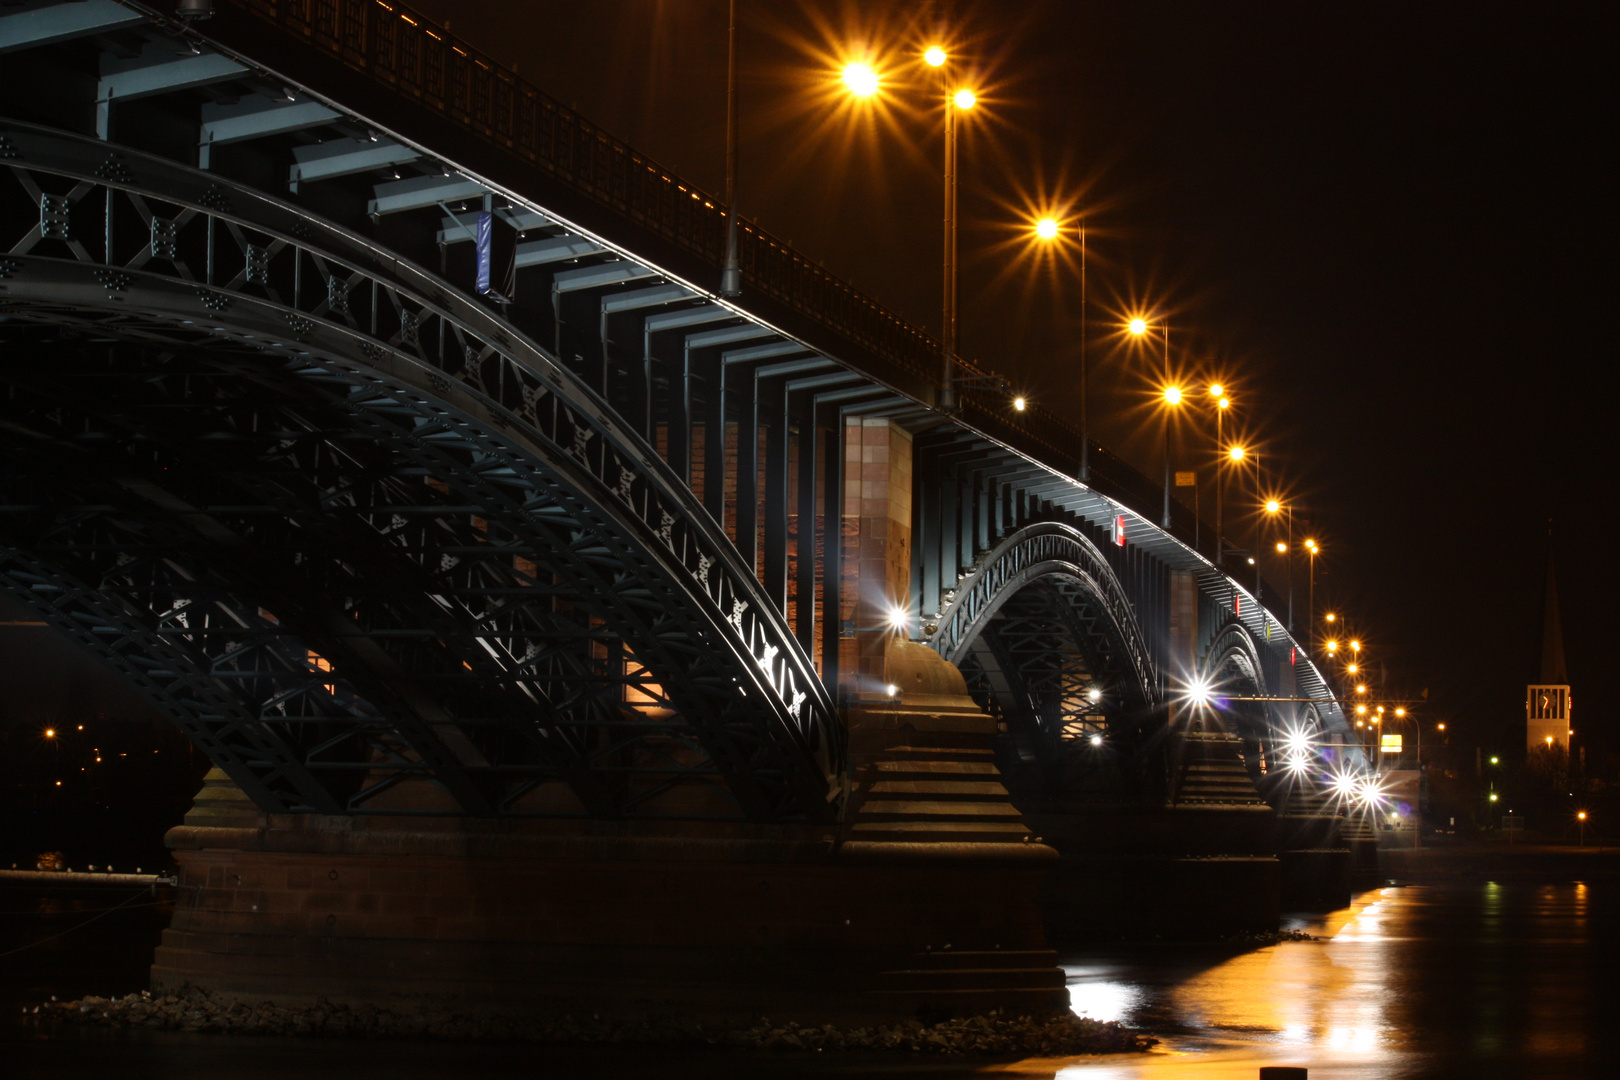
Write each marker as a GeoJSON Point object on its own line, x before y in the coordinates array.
{"type": "Point", "coordinates": [403, 50]}
{"type": "Point", "coordinates": [408, 53]}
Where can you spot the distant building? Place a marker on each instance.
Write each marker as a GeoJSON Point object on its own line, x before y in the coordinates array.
{"type": "Point", "coordinates": [1546, 705]}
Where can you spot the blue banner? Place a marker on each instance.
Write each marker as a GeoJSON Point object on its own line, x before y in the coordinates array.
{"type": "Point", "coordinates": [485, 221]}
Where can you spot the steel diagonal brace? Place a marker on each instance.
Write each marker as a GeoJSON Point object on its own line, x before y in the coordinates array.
{"type": "Point", "coordinates": [443, 746]}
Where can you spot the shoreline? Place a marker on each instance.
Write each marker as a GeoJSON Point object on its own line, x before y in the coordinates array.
{"type": "Point", "coordinates": [996, 1034]}
{"type": "Point", "coordinates": [1498, 861]}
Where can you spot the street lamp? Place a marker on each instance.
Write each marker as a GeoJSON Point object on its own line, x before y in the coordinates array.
{"type": "Point", "coordinates": [863, 81]}
{"type": "Point", "coordinates": [1237, 455]}
{"type": "Point", "coordinates": [1138, 327]}
{"type": "Point", "coordinates": [1222, 403]}
{"type": "Point", "coordinates": [960, 100]}
{"type": "Point", "coordinates": [1050, 229]}
{"type": "Point", "coordinates": [1234, 455]}
{"type": "Point", "coordinates": [1312, 548]}
{"type": "Point", "coordinates": [1284, 549]}
{"type": "Point", "coordinates": [731, 272]}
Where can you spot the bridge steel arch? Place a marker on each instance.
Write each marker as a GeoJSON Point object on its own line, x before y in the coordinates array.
{"type": "Point", "coordinates": [249, 415]}
{"type": "Point", "coordinates": [1039, 621]}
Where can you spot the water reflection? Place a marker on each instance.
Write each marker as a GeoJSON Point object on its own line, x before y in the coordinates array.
{"type": "Point", "coordinates": [1503, 980]}
{"type": "Point", "coordinates": [1493, 979]}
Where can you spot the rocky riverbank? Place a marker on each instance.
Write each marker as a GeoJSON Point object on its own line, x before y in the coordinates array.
{"type": "Point", "coordinates": [994, 1034]}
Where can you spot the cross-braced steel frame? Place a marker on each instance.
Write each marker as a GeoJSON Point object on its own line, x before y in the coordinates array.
{"type": "Point", "coordinates": [349, 528]}
{"type": "Point", "coordinates": [1045, 635]}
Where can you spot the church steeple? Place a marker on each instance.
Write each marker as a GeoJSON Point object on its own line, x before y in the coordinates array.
{"type": "Point", "coordinates": [1553, 670]}
{"type": "Point", "coordinates": [1547, 704]}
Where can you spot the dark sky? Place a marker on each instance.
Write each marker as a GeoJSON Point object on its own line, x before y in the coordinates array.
{"type": "Point", "coordinates": [1387, 220]}
{"type": "Point", "coordinates": [1382, 219]}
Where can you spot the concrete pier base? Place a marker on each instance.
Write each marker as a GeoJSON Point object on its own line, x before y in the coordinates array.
{"type": "Point", "coordinates": [1200, 864]}
{"type": "Point", "coordinates": [617, 920]}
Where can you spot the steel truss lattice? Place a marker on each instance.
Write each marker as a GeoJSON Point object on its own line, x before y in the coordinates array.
{"type": "Point", "coordinates": [350, 529]}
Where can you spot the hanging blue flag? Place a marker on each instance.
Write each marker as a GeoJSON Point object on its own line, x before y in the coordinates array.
{"type": "Point", "coordinates": [485, 222]}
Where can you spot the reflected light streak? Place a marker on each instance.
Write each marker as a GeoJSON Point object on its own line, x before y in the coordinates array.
{"type": "Point", "coordinates": [1103, 1000]}
{"type": "Point", "coordinates": [1302, 995]}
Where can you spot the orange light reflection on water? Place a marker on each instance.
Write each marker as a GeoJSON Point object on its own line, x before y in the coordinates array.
{"type": "Point", "coordinates": [1315, 1003]}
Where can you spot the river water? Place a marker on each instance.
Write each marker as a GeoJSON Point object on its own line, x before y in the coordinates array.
{"type": "Point", "coordinates": [1458, 980]}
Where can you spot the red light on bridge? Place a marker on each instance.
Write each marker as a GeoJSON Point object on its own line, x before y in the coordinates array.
{"type": "Point", "coordinates": [1119, 531]}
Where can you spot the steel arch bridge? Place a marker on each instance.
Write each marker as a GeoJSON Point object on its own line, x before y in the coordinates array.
{"type": "Point", "coordinates": [562, 536]}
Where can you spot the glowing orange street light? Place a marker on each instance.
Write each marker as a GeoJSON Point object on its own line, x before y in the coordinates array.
{"type": "Point", "coordinates": [1046, 229]}
{"type": "Point", "coordinates": [861, 80]}
{"type": "Point", "coordinates": [1172, 395]}
{"type": "Point", "coordinates": [1237, 453]}
{"type": "Point", "coordinates": [1361, 688]}
{"type": "Point", "coordinates": [1137, 326]}
{"type": "Point", "coordinates": [935, 56]}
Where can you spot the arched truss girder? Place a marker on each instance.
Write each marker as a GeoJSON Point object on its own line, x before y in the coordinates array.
{"type": "Point", "coordinates": [1098, 610]}
{"type": "Point", "coordinates": [1233, 669]}
{"type": "Point", "coordinates": [1234, 661]}
{"type": "Point", "coordinates": [587, 537]}
{"type": "Point", "coordinates": [1039, 656]}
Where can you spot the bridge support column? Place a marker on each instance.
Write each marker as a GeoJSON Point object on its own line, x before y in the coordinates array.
{"type": "Point", "coordinates": [876, 536]}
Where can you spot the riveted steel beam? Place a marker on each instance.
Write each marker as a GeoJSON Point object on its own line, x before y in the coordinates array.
{"type": "Point", "coordinates": [256, 116]}
{"type": "Point", "coordinates": [49, 24]}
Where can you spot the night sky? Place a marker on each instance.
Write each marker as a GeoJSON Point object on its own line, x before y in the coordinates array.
{"type": "Point", "coordinates": [1380, 224]}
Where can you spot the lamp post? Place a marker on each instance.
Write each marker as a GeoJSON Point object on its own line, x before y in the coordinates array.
{"type": "Point", "coordinates": [862, 81]}
{"type": "Point", "coordinates": [1138, 327]}
{"type": "Point", "coordinates": [1172, 398]}
{"type": "Point", "coordinates": [1285, 549]}
{"type": "Point", "coordinates": [1311, 547]}
{"type": "Point", "coordinates": [1050, 229]}
{"type": "Point", "coordinates": [1222, 403]}
{"type": "Point", "coordinates": [954, 101]}
{"type": "Point", "coordinates": [731, 273]}
{"type": "Point", "coordinates": [1417, 811]}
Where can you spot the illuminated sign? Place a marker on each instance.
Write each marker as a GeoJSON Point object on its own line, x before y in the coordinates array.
{"type": "Point", "coordinates": [1390, 744]}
